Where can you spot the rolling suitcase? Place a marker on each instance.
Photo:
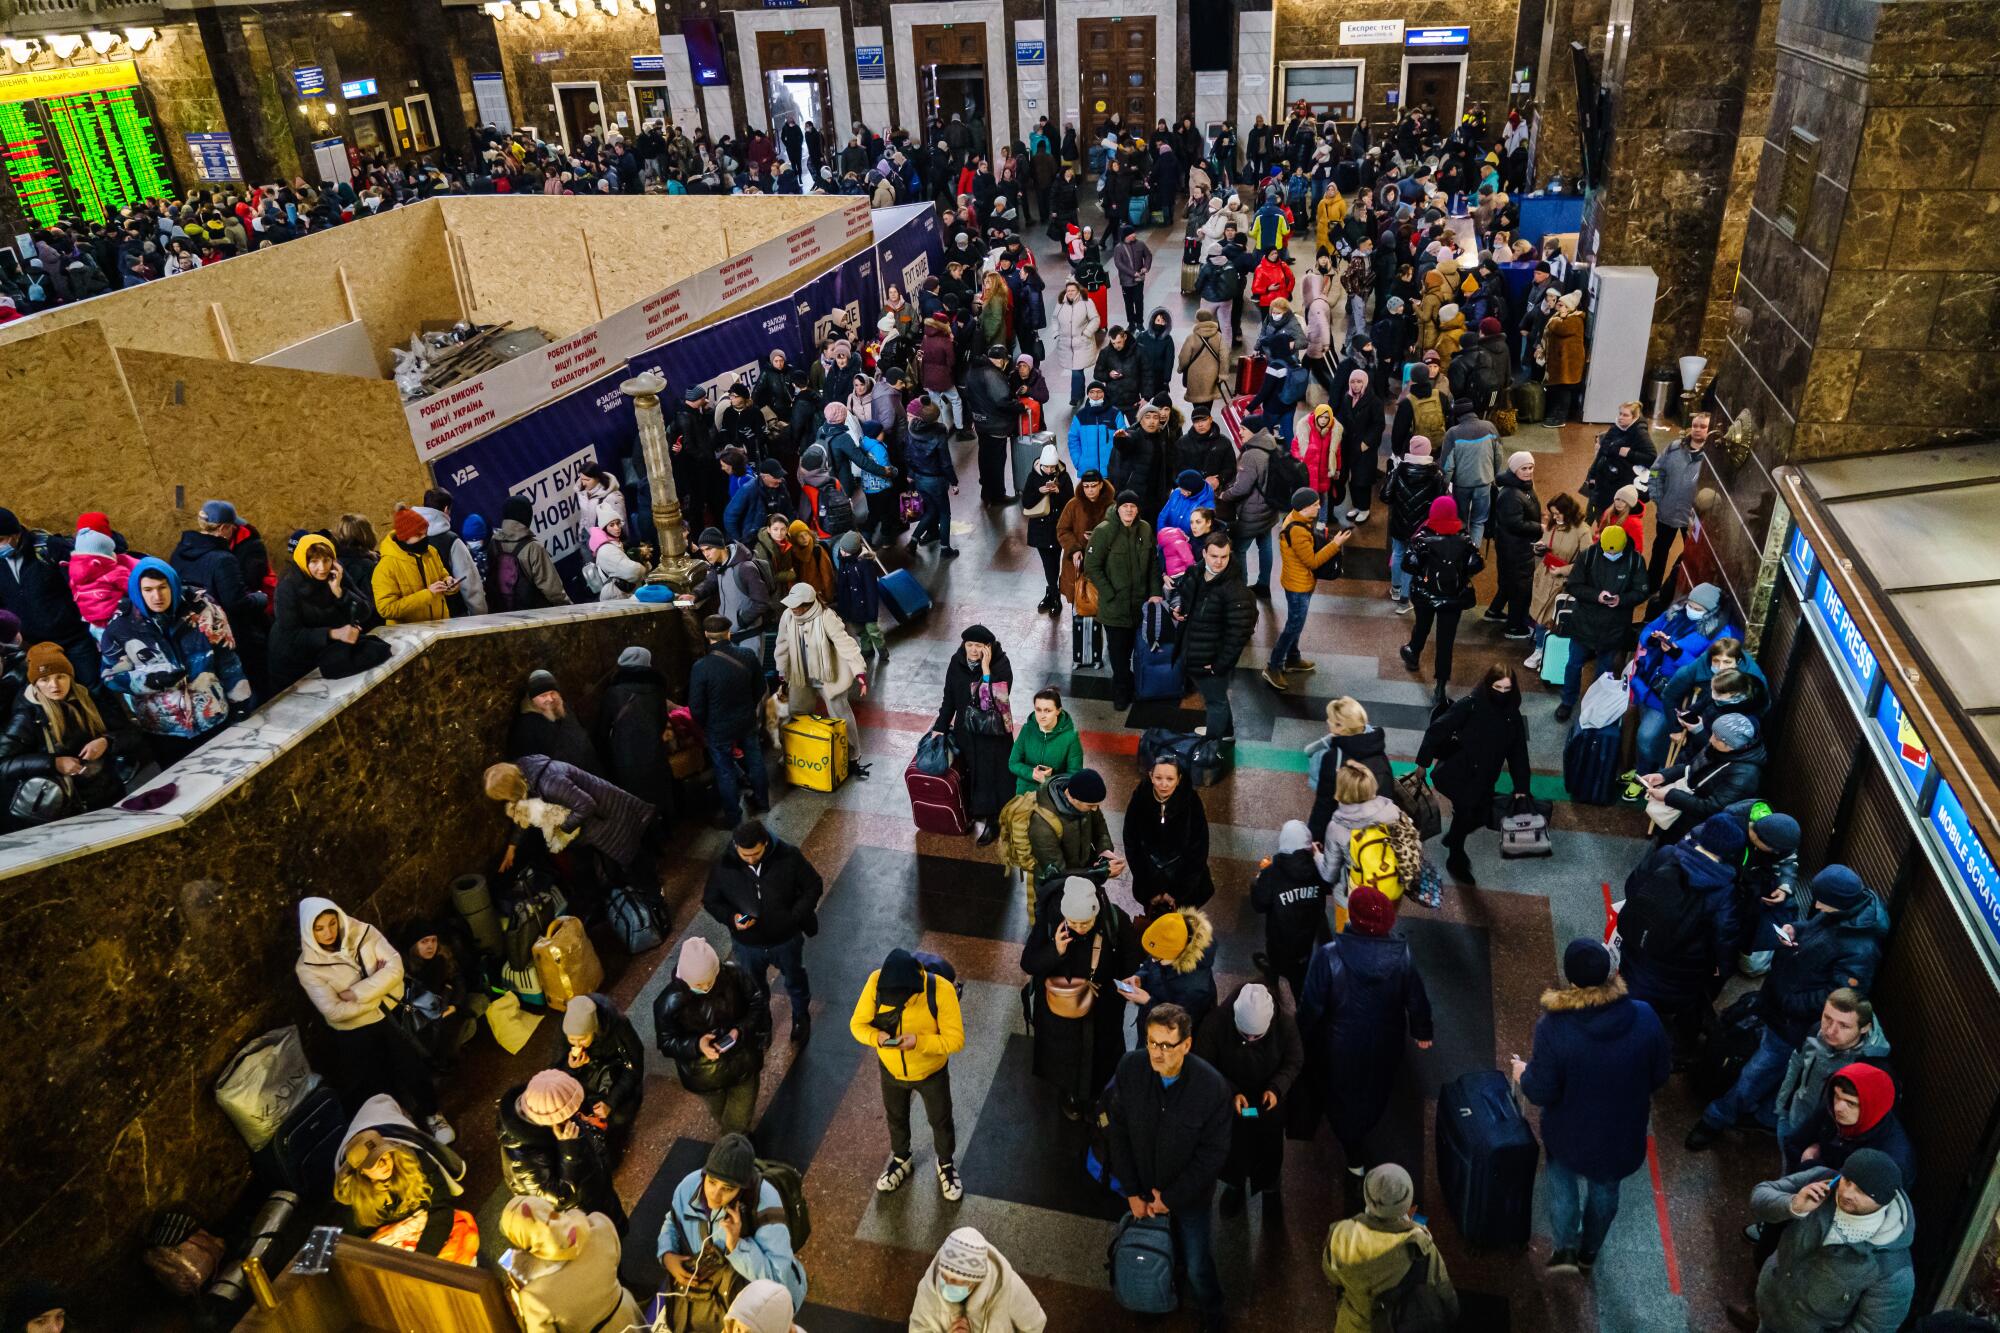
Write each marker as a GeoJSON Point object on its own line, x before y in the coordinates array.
{"type": "Point", "coordinates": [1590, 765]}
{"type": "Point", "coordinates": [1486, 1157]}
{"type": "Point", "coordinates": [1249, 375]}
{"type": "Point", "coordinates": [1135, 210]}
{"type": "Point", "coordinates": [815, 752]}
{"type": "Point", "coordinates": [937, 801]}
{"type": "Point", "coordinates": [1086, 648]}
{"type": "Point", "coordinates": [1028, 448]}
{"type": "Point", "coordinates": [903, 595]}
{"type": "Point", "coordinates": [1156, 663]}
{"type": "Point", "coordinates": [300, 1155]}
{"type": "Point", "coordinates": [1190, 275]}
{"type": "Point", "coordinates": [566, 962]}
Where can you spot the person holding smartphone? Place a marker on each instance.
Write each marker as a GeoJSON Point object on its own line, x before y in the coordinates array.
{"type": "Point", "coordinates": [908, 1013]}
{"type": "Point", "coordinates": [411, 583]}
{"type": "Point", "coordinates": [713, 1020]}
{"type": "Point", "coordinates": [1081, 947]}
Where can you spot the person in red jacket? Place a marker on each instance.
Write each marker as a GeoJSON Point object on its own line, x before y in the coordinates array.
{"type": "Point", "coordinates": [1272, 279]}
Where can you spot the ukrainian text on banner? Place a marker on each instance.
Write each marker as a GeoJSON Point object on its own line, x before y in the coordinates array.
{"type": "Point", "coordinates": [542, 456]}
{"type": "Point", "coordinates": [908, 247]}
{"type": "Point", "coordinates": [721, 354]}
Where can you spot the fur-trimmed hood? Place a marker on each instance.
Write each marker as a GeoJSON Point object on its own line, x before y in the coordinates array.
{"type": "Point", "coordinates": [1201, 935]}
{"type": "Point", "coordinates": [1568, 999]}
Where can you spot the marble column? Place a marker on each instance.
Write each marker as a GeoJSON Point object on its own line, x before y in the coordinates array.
{"type": "Point", "coordinates": [676, 567]}
{"type": "Point", "coordinates": [1678, 99]}
{"type": "Point", "coordinates": [1867, 311]}
{"type": "Point", "coordinates": [253, 107]}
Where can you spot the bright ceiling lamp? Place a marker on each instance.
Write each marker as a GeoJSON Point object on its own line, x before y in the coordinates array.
{"type": "Point", "coordinates": [610, 7]}
{"type": "Point", "coordinates": [102, 42]}
{"type": "Point", "coordinates": [531, 8]}
{"type": "Point", "coordinates": [140, 38]}
{"type": "Point", "coordinates": [495, 9]}
{"type": "Point", "coordinates": [21, 49]}
{"type": "Point", "coordinates": [567, 8]}
{"type": "Point", "coordinates": [64, 44]}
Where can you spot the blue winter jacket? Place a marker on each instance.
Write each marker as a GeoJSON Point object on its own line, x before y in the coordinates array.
{"type": "Point", "coordinates": [1599, 1057]}
{"type": "Point", "coordinates": [1090, 432]}
{"type": "Point", "coordinates": [765, 1252]}
{"type": "Point", "coordinates": [177, 669]}
{"type": "Point", "coordinates": [1177, 512]}
{"type": "Point", "coordinates": [1688, 642]}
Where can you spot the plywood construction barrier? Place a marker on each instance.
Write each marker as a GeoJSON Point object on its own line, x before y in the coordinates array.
{"type": "Point", "coordinates": [144, 402]}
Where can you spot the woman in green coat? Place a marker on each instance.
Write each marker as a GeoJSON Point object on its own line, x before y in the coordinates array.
{"type": "Point", "coordinates": [1048, 748]}
{"type": "Point", "coordinates": [1123, 565]}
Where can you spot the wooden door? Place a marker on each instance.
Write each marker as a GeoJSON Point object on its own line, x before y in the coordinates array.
{"type": "Point", "coordinates": [949, 44]}
{"type": "Point", "coordinates": [1116, 62]}
{"type": "Point", "coordinates": [951, 73]}
{"type": "Point", "coordinates": [1434, 83]}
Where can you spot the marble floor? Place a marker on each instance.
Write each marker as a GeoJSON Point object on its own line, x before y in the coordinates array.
{"type": "Point", "coordinates": [1673, 1257]}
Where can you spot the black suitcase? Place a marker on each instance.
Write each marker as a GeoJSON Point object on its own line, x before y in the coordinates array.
{"type": "Point", "coordinates": [300, 1156]}
{"type": "Point", "coordinates": [1590, 765]}
{"type": "Point", "coordinates": [1486, 1157]}
{"type": "Point", "coordinates": [1086, 643]}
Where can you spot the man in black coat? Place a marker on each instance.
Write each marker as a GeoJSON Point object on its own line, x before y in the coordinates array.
{"type": "Point", "coordinates": [725, 694]}
{"type": "Point", "coordinates": [1217, 616]}
{"type": "Point", "coordinates": [1517, 530]}
{"type": "Point", "coordinates": [766, 892]}
{"type": "Point", "coordinates": [692, 447]}
{"type": "Point", "coordinates": [1205, 448]}
{"type": "Point", "coordinates": [714, 1022]}
{"type": "Point", "coordinates": [544, 725]}
{"type": "Point", "coordinates": [995, 414]}
{"type": "Point", "coordinates": [35, 588]}
{"type": "Point", "coordinates": [1170, 1132]}
{"type": "Point", "coordinates": [631, 717]}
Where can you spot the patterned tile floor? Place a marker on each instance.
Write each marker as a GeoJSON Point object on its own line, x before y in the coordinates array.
{"type": "Point", "coordinates": [1674, 1255]}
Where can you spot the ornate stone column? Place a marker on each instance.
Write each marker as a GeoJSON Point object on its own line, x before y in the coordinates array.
{"type": "Point", "coordinates": [676, 567]}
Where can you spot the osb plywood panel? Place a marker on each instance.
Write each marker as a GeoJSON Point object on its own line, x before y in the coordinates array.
{"type": "Point", "coordinates": [289, 448]}
{"type": "Point", "coordinates": [73, 439]}
{"type": "Point", "coordinates": [395, 266]}
{"type": "Point", "coordinates": [753, 221]}
{"type": "Point", "coordinates": [525, 265]}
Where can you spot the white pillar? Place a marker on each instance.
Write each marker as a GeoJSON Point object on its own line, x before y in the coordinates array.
{"type": "Point", "coordinates": [1033, 80]}
{"type": "Point", "coordinates": [1253, 71]}
{"type": "Point", "coordinates": [873, 92]}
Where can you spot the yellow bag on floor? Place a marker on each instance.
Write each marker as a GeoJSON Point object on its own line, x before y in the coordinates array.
{"type": "Point", "coordinates": [815, 752]}
{"type": "Point", "coordinates": [567, 963]}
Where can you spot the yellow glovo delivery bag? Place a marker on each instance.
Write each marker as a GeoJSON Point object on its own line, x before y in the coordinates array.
{"type": "Point", "coordinates": [815, 752]}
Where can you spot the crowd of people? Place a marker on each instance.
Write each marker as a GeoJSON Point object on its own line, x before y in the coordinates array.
{"type": "Point", "coordinates": [1144, 521]}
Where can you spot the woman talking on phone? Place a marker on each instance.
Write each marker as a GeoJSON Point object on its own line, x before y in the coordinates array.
{"type": "Point", "coordinates": [1080, 959]}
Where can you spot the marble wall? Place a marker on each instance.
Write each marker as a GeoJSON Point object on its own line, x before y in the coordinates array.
{"type": "Point", "coordinates": [1310, 30]}
{"type": "Point", "coordinates": [1679, 103]}
{"type": "Point", "coordinates": [136, 970]}
{"type": "Point", "coordinates": [1869, 322]}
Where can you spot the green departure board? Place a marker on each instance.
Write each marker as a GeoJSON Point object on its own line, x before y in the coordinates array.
{"type": "Point", "coordinates": [82, 154]}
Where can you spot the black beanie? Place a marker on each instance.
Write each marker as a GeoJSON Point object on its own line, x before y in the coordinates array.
{"type": "Point", "coordinates": [733, 1161]}
{"type": "Point", "coordinates": [1586, 963]}
{"type": "Point", "coordinates": [520, 509]}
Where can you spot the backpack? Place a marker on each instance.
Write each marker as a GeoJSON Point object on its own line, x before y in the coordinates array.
{"type": "Point", "coordinates": [1016, 852]}
{"type": "Point", "coordinates": [511, 588]}
{"type": "Point", "coordinates": [1427, 418]}
{"type": "Point", "coordinates": [1283, 474]}
{"type": "Point", "coordinates": [1412, 1305]}
{"type": "Point", "coordinates": [1371, 860]}
{"type": "Point", "coordinates": [1445, 582]}
{"type": "Point", "coordinates": [1141, 1260]}
{"type": "Point", "coordinates": [936, 969]}
{"type": "Point", "coordinates": [836, 511]}
{"type": "Point", "coordinates": [1662, 916]}
{"type": "Point", "coordinates": [878, 454]}
{"type": "Point", "coordinates": [593, 577]}
{"type": "Point", "coordinates": [791, 1187]}
{"type": "Point", "coordinates": [529, 904]}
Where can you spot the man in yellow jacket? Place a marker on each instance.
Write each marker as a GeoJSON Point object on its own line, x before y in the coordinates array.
{"type": "Point", "coordinates": [909, 1014]}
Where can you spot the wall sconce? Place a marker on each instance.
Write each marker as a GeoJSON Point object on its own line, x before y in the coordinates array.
{"type": "Point", "coordinates": [495, 9]}
{"type": "Point", "coordinates": [332, 108]}
{"type": "Point", "coordinates": [531, 8]}
{"type": "Point", "coordinates": [21, 49]}
{"type": "Point", "coordinates": [1740, 438]}
{"type": "Point", "coordinates": [140, 38]}
{"type": "Point", "coordinates": [64, 44]}
{"type": "Point", "coordinates": [102, 42]}
{"type": "Point", "coordinates": [610, 7]}
{"type": "Point", "coordinates": [567, 8]}
{"type": "Point", "coordinates": [304, 110]}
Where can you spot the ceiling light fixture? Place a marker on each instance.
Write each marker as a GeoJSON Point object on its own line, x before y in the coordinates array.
{"type": "Point", "coordinates": [102, 42]}
{"type": "Point", "coordinates": [140, 38]}
{"type": "Point", "coordinates": [64, 44]}
{"type": "Point", "coordinates": [531, 8]}
{"type": "Point", "coordinates": [567, 8]}
{"type": "Point", "coordinates": [610, 7]}
{"type": "Point", "coordinates": [495, 9]}
{"type": "Point", "coordinates": [21, 49]}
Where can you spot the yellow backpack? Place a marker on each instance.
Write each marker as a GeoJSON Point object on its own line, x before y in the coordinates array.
{"type": "Point", "coordinates": [1371, 860]}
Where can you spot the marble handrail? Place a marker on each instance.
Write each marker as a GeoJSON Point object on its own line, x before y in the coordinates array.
{"type": "Point", "coordinates": [207, 775]}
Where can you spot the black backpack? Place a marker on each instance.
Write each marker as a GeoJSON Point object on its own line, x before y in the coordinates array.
{"type": "Point", "coordinates": [791, 1188]}
{"type": "Point", "coordinates": [1412, 1305]}
{"type": "Point", "coordinates": [1283, 475]}
{"type": "Point", "coordinates": [1446, 577]}
{"type": "Point", "coordinates": [1663, 914]}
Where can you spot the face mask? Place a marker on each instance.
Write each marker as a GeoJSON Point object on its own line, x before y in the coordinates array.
{"type": "Point", "coordinates": [953, 1293]}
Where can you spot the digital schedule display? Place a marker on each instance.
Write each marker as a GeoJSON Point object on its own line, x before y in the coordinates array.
{"type": "Point", "coordinates": [77, 142]}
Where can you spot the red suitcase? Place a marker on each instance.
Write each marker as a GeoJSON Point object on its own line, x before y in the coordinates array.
{"type": "Point", "coordinates": [1249, 375]}
{"type": "Point", "coordinates": [937, 801]}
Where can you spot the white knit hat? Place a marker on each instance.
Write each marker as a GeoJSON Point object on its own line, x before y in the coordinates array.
{"type": "Point", "coordinates": [1253, 1009]}
{"type": "Point", "coordinates": [763, 1307]}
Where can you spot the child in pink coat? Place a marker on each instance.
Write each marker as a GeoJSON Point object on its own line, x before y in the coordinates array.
{"type": "Point", "coordinates": [97, 577]}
